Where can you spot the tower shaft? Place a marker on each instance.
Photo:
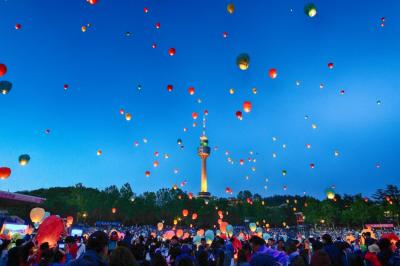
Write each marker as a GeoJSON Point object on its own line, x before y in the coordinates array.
{"type": "Point", "coordinates": [204, 175]}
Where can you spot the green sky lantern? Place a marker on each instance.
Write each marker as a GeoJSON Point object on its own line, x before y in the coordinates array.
{"type": "Point", "coordinates": [310, 10]}
{"type": "Point", "coordinates": [5, 87]}
{"type": "Point", "coordinates": [243, 61]}
{"type": "Point", "coordinates": [24, 159]}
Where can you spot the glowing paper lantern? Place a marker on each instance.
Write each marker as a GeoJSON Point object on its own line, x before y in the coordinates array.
{"type": "Point", "coordinates": [222, 227]}
{"type": "Point", "coordinates": [200, 232]}
{"type": "Point", "coordinates": [155, 163]}
{"type": "Point", "coordinates": [310, 10]}
{"type": "Point", "coordinates": [312, 166]}
{"type": "Point", "coordinates": [230, 8]}
{"type": "Point", "coordinates": [128, 117]}
{"type": "Point", "coordinates": [171, 51]}
{"type": "Point", "coordinates": [330, 65]}
{"type": "Point", "coordinates": [5, 87]}
{"type": "Point", "coordinates": [170, 88]}
{"type": "Point", "coordinates": [239, 115]}
{"type": "Point", "coordinates": [92, 2]}
{"type": "Point", "coordinates": [99, 152]}
{"type": "Point", "coordinates": [37, 215]}
{"type": "Point", "coordinates": [24, 159]}
{"type": "Point", "coordinates": [195, 115]}
{"type": "Point", "coordinates": [330, 193]}
{"type": "Point", "coordinates": [3, 69]}
{"type": "Point", "coordinates": [179, 233]}
{"type": "Point", "coordinates": [252, 227]}
{"type": "Point", "coordinates": [114, 210]}
{"type": "Point", "coordinates": [147, 173]}
{"type": "Point", "coordinates": [83, 28]}
{"type": "Point", "coordinates": [160, 226]}
{"type": "Point", "coordinates": [185, 212]}
{"type": "Point", "coordinates": [191, 90]}
{"type": "Point", "coordinates": [247, 106]}
{"type": "Point", "coordinates": [194, 216]}
{"type": "Point", "coordinates": [158, 25]}
{"type": "Point", "coordinates": [70, 220]}
{"type": "Point", "coordinates": [50, 230]}
{"type": "Point", "coordinates": [169, 234]}
{"type": "Point", "coordinates": [5, 173]}
{"type": "Point", "coordinates": [18, 26]}
{"type": "Point", "coordinates": [273, 73]}
{"type": "Point", "coordinates": [243, 61]}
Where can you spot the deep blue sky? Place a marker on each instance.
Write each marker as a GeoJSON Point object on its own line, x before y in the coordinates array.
{"type": "Point", "coordinates": [103, 68]}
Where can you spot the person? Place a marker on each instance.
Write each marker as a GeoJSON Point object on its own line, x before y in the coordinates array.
{"type": "Point", "coordinates": [371, 257]}
{"type": "Point", "coordinates": [139, 250]}
{"type": "Point", "coordinates": [96, 253]}
{"type": "Point", "coordinates": [185, 255]}
{"type": "Point", "coordinates": [174, 250]}
{"type": "Point", "coordinates": [158, 259]}
{"type": "Point", "coordinates": [263, 256]}
{"type": "Point", "coordinates": [3, 251]}
{"type": "Point", "coordinates": [332, 250]}
{"type": "Point", "coordinates": [294, 255]}
{"type": "Point", "coordinates": [368, 240]}
{"type": "Point", "coordinates": [385, 253]}
{"type": "Point", "coordinates": [319, 256]}
{"type": "Point", "coordinates": [271, 243]}
{"type": "Point", "coordinates": [122, 256]}
{"type": "Point", "coordinates": [242, 259]}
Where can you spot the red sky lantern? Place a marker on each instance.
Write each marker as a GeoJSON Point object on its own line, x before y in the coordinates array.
{"type": "Point", "coordinates": [190, 195]}
{"type": "Point", "coordinates": [312, 166]}
{"type": "Point", "coordinates": [3, 69]}
{"type": "Point", "coordinates": [194, 216]}
{"type": "Point", "coordinates": [247, 106]}
{"type": "Point", "coordinates": [170, 88]}
{"type": "Point", "coordinates": [185, 212]}
{"type": "Point", "coordinates": [273, 73]}
{"type": "Point", "coordinates": [5, 173]}
{"type": "Point", "coordinates": [342, 92]}
{"type": "Point", "coordinates": [191, 90]}
{"type": "Point", "coordinates": [66, 86]}
{"type": "Point", "coordinates": [18, 26]}
{"type": "Point", "coordinates": [92, 2]}
{"type": "Point", "coordinates": [195, 115]}
{"type": "Point", "coordinates": [239, 115]}
{"type": "Point", "coordinates": [171, 51]}
{"type": "Point", "coordinates": [330, 65]}
{"type": "Point", "coordinates": [50, 230]}
{"type": "Point", "coordinates": [147, 173]}
{"type": "Point", "coordinates": [225, 35]}
{"type": "Point", "coordinates": [146, 10]}
{"type": "Point", "coordinates": [158, 25]}
{"type": "Point", "coordinates": [114, 210]}
{"type": "Point", "coordinates": [154, 46]}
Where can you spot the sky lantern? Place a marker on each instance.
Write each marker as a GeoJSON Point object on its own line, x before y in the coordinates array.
{"type": "Point", "coordinates": [225, 34]}
{"type": "Point", "coordinates": [185, 212]}
{"type": "Point", "coordinates": [170, 88]}
{"type": "Point", "coordinates": [154, 45]}
{"type": "Point", "coordinates": [128, 117]}
{"type": "Point", "coordinates": [83, 29]}
{"type": "Point", "coordinates": [336, 153]}
{"type": "Point", "coordinates": [5, 86]}
{"type": "Point", "coordinates": [50, 231]}
{"type": "Point", "coordinates": [99, 152]}
{"type": "Point", "coordinates": [194, 216]}
{"type": "Point", "coordinates": [155, 163]}
{"type": "Point", "coordinates": [179, 233]}
{"type": "Point", "coordinates": [252, 227]}
{"type": "Point", "coordinates": [121, 111]}
{"type": "Point", "coordinates": [230, 8]}
{"type": "Point", "coordinates": [171, 51]}
{"type": "Point", "coordinates": [312, 166]}
{"type": "Point", "coordinates": [24, 159]}
{"type": "Point", "coordinates": [243, 61]}
{"type": "Point", "coordinates": [147, 173]}
{"type": "Point", "coordinates": [114, 210]}
{"type": "Point", "coordinates": [284, 172]}
{"type": "Point", "coordinates": [158, 25]}
{"type": "Point", "coordinates": [310, 10]}
{"type": "Point", "coordinates": [160, 226]}
{"type": "Point", "coordinates": [92, 2]}
{"type": "Point", "coordinates": [37, 215]}
{"type": "Point", "coordinates": [273, 73]}
{"type": "Point", "coordinates": [342, 92]}
{"type": "Point", "coordinates": [239, 115]}
{"type": "Point", "coordinates": [330, 193]}
{"type": "Point", "coordinates": [247, 106]}
{"type": "Point", "coordinates": [220, 214]}
{"type": "Point", "coordinates": [145, 10]}
{"type": "Point", "coordinates": [228, 190]}
{"type": "Point", "coordinates": [195, 115]}
{"type": "Point", "coordinates": [191, 90]}
{"type": "Point", "coordinates": [5, 173]}
{"type": "Point", "coordinates": [314, 126]}
{"type": "Point", "coordinates": [70, 220]}
{"type": "Point", "coordinates": [179, 141]}
{"type": "Point", "coordinates": [190, 195]}
{"type": "Point", "coordinates": [330, 65]}
{"type": "Point", "coordinates": [308, 146]}
{"type": "Point", "coordinates": [169, 234]}
{"type": "Point", "coordinates": [3, 69]}
{"type": "Point", "coordinates": [66, 86]}
{"type": "Point", "coordinates": [18, 26]}
{"type": "Point", "coordinates": [231, 91]}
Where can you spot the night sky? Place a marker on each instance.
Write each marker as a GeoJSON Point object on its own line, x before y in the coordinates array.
{"type": "Point", "coordinates": [104, 67]}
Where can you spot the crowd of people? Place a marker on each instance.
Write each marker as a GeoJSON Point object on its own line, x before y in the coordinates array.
{"type": "Point", "coordinates": [104, 247]}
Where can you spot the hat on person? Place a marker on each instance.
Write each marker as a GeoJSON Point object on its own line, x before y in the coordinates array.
{"type": "Point", "coordinates": [374, 248]}
{"type": "Point", "coordinates": [97, 241]}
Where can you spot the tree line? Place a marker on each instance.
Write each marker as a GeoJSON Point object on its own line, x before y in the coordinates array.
{"type": "Point", "coordinates": [88, 205]}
